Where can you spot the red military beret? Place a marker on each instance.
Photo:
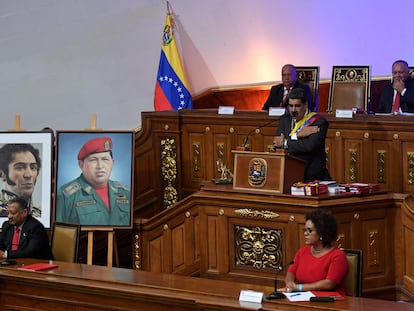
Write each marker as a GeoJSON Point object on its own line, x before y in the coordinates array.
{"type": "Point", "coordinates": [95, 145]}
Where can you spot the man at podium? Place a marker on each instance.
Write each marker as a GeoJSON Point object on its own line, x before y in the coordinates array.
{"type": "Point", "coordinates": [303, 134]}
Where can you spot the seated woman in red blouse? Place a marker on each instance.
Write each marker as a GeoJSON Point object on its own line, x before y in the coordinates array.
{"type": "Point", "coordinates": [319, 265]}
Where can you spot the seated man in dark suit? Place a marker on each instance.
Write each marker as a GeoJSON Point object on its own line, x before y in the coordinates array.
{"type": "Point", "coordinates": [23, 236]}
{"type": "Point", "coordinates": [398, 96]}
{"type": "Point", "coordinates": [279, 94]}
{"type": "Point", "coordinates": [303, 133]}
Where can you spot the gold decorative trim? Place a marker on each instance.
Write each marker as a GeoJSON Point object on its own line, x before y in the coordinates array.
{"type": "Point", "coordinates": [247, 212]}
{"type": "Point", "coordinates": [257, 247]}
{"type": "Point", "coordinates": [220, 156]}
{"type": "Point", "coordinates": [169, 171]}
{"type": "Point", "coordinates": [327, 151]}
{"type": "Point", "coordinates": [137, 255]}
{"type": "Point", "coordinates": [351, 74]}
{"type": "Point", "coordinates": [381, 166]}
{"type": "Point", "coordinates": [340, 241]}
{"type": "Point", "coordinates": [410, 168]}
{"type": "Point", "coordinates": [353, 165]}
{"type": "Point", "coordinates": [196, 156]}
{"type": "Point", "coordinates": [373, 255]}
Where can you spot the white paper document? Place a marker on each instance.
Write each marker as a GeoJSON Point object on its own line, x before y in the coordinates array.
{"type": "Point", "coordinates": [299, 296]}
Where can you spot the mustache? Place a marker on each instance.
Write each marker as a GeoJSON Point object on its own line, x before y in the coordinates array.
{"type": "Point", "coordinates": [294, 113]}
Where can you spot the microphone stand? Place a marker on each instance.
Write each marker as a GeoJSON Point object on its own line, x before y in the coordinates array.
{"type": "Point", "coordinates": [246, 138]}
{"type": "Point", "coordinates": [276, 294]}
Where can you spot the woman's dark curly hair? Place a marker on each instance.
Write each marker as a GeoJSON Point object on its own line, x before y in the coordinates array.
{"type": "Point", "coordinates": [325, 224]}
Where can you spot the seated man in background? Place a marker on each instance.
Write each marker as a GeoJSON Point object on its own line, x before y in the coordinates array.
{"type": "Point", "coordinates": [398, 96]}
{"type": "Point", "coordinates": [303, 134]}
{"type": "Point", "coordinates": [279, 94]}
{"type": "Point", "coordinates": [23, 236]}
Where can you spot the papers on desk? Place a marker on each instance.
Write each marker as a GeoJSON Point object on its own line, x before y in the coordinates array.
{"type": "Point", "coordinates": [299, 296]}
{"type": "Point", "coordinates": [306, 296]}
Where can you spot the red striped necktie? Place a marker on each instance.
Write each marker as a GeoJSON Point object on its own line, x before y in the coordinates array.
{"type": "Point", "coordinates": [15, 241]}
{"type": "Point", "coordinates": [396, 105]}
{"type": "Point", "coordinates": [285, 99]}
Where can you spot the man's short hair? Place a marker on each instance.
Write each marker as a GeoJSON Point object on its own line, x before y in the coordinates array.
{"type": "Point", "coordinates": [8, 151]}
{"type": "Point", "coordinates": [298, 93]}
{"type": "Point", "coordinates": [20, 201]}
{"type": "Point", "coordinates": [400, 61]}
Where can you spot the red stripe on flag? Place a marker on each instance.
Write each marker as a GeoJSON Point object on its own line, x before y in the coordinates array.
{"type": "Point", "coordinates": [160, 100]}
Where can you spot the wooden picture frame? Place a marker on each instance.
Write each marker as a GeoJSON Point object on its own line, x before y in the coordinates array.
{"type": "Point", "coordinates": [36, 188]}
{"type": "Point", "coordinates": [80, 198]}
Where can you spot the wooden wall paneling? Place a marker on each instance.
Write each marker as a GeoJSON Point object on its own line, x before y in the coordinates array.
{"type": "Point", "coordinates": [154, 254]}
{"type": "Point", "coordinates": [252, 97]}
{"type": "Point", "coordinates": [212, 245]}
{"type": "Point", "coordinates": [334, 145]}
{"type": "Point", "coordinates": [385, 162]}
{"type": "Point", "coordinates": [184, 251]}
{"type": "Point", "coordinates": [353, 161]}
{"type": "Point", "coordinates": [407, 166]}
{"type": "Point", "coordinates": [347, 233]}
{"type": "Point", "coordinates": [376, 238]}
{"type": "Point", "coordinates": [407, 245]}
{"type": "Point", "coordinates": [221, 155]}
{"type": "Point", "coordinates": [257, 246]}
{"type": "Point", "coordinates": [149, 183]}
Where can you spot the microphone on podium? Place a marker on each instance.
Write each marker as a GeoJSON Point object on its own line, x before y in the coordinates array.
{"type": "Point", "coordinates": [276, 294]}
{"type": "Point", "coordinates": [246, 138]}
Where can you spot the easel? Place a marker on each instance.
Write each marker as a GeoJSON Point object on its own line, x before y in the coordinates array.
{"type": "Point", "coordinates": [17, 127]}
{"type": "Point", "coordinates": [111, 244]}
{"type": "Point", "coordinates": [91, 230]}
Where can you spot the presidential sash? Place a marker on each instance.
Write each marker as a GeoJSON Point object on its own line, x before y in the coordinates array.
{"type": "Point", "coordinates": [306, 120]}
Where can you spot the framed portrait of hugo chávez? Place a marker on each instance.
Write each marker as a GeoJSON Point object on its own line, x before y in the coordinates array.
{"type": "Point", "coordinates": [26, 161]}
{"type": "Point", "coordinates": [94, 178]}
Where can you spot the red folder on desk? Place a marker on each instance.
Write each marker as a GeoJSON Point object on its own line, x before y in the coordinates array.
{"type": "Point", "coordinates": [40, 266]}
{"type": "Point", "coordinates": [335, 295]}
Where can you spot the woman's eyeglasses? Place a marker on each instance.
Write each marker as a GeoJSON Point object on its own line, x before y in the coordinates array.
{"type": "Point", "coordinates": [308, 230]}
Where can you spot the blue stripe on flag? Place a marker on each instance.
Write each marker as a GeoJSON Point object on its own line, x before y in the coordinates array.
{"type": "Point", "coordinates": [174, 90]}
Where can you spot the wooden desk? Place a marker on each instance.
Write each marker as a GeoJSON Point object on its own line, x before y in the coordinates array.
{"type": "Point", "coordinates": [80, 287]}
{"type": "Point", "coordinates": [223, 234]}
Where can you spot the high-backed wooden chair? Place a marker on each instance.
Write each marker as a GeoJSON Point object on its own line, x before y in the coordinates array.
{"type": "Point", "coordinates": [353, 281]}
{"type": "Point", "coordinates": [310, 76]}
{"type": "Point", "coordinates": [64, 241]}
{"type": "Point", "coordinates": [411, 71]}
{"type": "Point", "coordinates": [350, 87]}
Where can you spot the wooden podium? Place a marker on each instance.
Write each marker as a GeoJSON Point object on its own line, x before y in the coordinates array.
{"type": "Point", "coordinates": [266, 172]}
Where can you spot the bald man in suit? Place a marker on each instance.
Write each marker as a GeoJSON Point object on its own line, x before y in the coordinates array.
{"type": "Point", "coordinates": [30, 240]}
{"type": "Point", "coordinates": [402, 85]}
{"type": "Point", "coordinates": [278, 96]}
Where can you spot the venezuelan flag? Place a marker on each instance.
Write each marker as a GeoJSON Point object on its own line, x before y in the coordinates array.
{"type": "Point", "coordinates": [171, 88]}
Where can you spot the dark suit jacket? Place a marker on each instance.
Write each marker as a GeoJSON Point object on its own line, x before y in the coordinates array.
{"type": "Point", "coordinates": [406, 101]}
{"type": "Point", "coordinates": [33, 243]}
{"type": "Point", "coordinates": [310, 148]}
{"type": "Point", "coordinates": [276, 95]}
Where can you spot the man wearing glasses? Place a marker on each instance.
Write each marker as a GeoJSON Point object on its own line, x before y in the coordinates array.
{"type": "Point", "coordinates": [302, 133]}
{"type": "Point", "coordinates": [22, 235]}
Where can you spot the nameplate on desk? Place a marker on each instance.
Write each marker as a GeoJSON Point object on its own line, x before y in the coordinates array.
{"type": "Point", "coordinates": [276, 111]}
{"type": "Point", "coordinates": [226, 110]}
{"type": "Point", "coordinates": [344, 113]}
{"type": "Point", "coordinates": [251, 296]}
